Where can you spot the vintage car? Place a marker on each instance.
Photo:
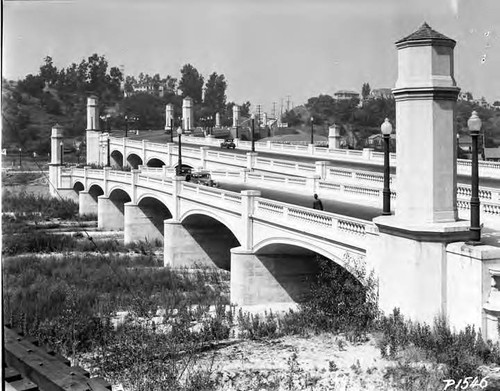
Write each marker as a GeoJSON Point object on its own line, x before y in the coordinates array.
{"type": "Point", "coordinates": [228, 143]}
{"type": "Point", "coordinates": [201, 178]}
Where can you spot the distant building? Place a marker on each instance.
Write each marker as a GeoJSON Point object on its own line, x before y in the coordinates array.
{"type": "Point", "coordinates": [465, 143]}
{"type": "Point", "coordinates": [376, 141]}
{"type": "Point", "coordinates": [345, 95]}
{"type": "Point", "coordinates": [381, 93]}
{"type": "Point", "coordinates": [465, 96]}
{"type": "Point", "coordinates": [492, 154]}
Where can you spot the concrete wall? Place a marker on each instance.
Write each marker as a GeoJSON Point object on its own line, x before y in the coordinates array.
{"type": "Point", "coordinates": [181, 249]}
{"type": "Point", "coordinates": [469, 287]}
{"type": "Point", "coordinates": [410, 276]}
{"type": "Point", "coordinates": [87, 204]}
{"type": "Point", "coordinates": [140, 224]}
{"type": "Point", "coordinates": [258, 279]}
{"type": "Point", "coordinates": [110, 214]}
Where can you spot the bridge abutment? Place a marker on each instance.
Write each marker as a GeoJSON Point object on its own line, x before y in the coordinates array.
{"type": "Point", "coordinates": [269, 279]}
{"type": "Point", "coordinates": [139, 224]}
{"type": "Point", "coordinates": [110, 216]}
{"type": "Point", "coordinates": [87, 204]}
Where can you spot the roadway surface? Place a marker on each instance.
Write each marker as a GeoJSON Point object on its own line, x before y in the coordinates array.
{"type": "Point", "coordinates": [160, 137]}
{"type": "Point", "coordinates": [343, 208]}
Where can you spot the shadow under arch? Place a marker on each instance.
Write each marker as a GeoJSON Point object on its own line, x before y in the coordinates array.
{"type": "Point", "coordinates": [95, 191]}
{"type": "Point", "coordinates": [154, 162]}
{"type": "Point", "coordinates": [116, 159]}
{"type": "Point", "coordinates": [299, 266]}
{"type": "Point", "coordinates": [213, 236]}
{"type": "Point", "coordinates": [78, 187]}
{"type": "Point", "coordinates": [155, 210]}
{"type": "Point", "coordinates": [134, 161]}
{"type": "Point", "coordinates": [119, 197]}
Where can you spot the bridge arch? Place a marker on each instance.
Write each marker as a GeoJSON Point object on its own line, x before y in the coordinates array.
{"type": "Point", "coordinates": [214, 216]}
{"type": "Point", "coordinates": [116, 158]}
{"type": "Point", "coordinates": [155, 162]}
{"type": "Point", "coordinates": [212, 236]}
{"type": "Point", "coordinates": [277, 243]}
{"type": "Point", "coordinates": [134, 160]}
{"type": "Point", "coordinates": [144, 220]}
{"type": "Point", "coordinates": [283, 270]}
{"type": "Point", "coordinates": [95, 191]}
{"type": "Point", "coordinates": [78, 187]}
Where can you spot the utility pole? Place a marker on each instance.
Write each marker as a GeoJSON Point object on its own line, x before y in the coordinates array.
{"type": "Point", "coordinates": [258, 118]}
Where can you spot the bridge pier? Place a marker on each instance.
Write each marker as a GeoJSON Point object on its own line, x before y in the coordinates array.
{"type": "Point", "coordinates": [262, 279]}
{"type": "Point", "coordinates": [181, 249]}
{"type": "Point", "coordinates": [110, 215]}
{"type": "Point", "coordinates": [139, 224]}
{"type": "Point", "coordinates": [87, 204]}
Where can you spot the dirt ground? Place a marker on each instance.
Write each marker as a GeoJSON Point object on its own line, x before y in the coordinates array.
{"type": "Point", "coordinates": [322, 362]}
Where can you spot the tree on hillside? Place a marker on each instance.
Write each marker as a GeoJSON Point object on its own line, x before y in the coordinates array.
{"type": "Point", "coordinates": [48, 72]}
{"type": "Point", "coordinates": [191, 83]}
{"type": "Point", "coordinates": [322, 108]}
{"type": "Point", "coordinates": [32, 85]}
{"type": "Point", "coordinates": [365, 90]}
{"type": "Point", "coordinates": [215, 93]}
{"type": "Point", "coordinates": [96, 76]}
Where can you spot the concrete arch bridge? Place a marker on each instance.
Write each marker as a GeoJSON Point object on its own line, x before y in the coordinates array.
{"type": "Point", "coordinates": [269, 247]}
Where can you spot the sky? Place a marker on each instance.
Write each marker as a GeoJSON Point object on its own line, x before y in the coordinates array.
{"type": "Point", "coordinates": [268, 50]}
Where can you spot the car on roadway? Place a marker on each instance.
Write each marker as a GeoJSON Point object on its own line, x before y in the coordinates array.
{"type": "Point", "coordinates": [228, 143]}
{"type": "Point", "coordinates": [201, 178]}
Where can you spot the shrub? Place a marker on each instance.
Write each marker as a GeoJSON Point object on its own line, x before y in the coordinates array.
{"type": "Point", "coordinates": [462, 352]}
{"type": "Point", "coordinates": [25, 203]}
{"type": "Point", "coordinates": [343, 300]}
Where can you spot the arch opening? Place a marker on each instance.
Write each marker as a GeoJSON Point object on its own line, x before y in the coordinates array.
{"type": "Point", "coordinates": [78, 187]}
{"type": "Point", "coordinates": [155, 211]}
{"type": "Point", "coordinates": [301, 275]}
{"type": "Point", "coordinates": [134, 161]}
{"type": "Point", "coordinates": [214, 238]}
{"type": "Point", "coordinates": [95, 191]}
{"type": "Point", "coordinates": [119, 197]}
{"type": "Point", "coordinates": [155, 163]}
{"type": "Point", "coordinates": [116, 158]}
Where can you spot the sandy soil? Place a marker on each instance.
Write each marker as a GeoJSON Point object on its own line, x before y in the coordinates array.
{"type": "Point", "coordinates": [322, 362]}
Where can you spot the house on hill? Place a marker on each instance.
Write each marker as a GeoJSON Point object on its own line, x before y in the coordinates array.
{"type": "Point", "coordinates": [381, 93]}
{"type": "Point", "coordinates": [345, 95]}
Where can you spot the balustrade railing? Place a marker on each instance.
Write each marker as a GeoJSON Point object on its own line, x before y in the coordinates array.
{"type": "Point", "coordinates": [304, 218]}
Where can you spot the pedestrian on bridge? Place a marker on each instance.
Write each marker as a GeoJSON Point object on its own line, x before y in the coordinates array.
{"type": "Point", "coordinates": [317, 204]}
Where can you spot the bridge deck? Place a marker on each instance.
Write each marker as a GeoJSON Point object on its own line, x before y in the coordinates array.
{"type": "Point", "coordinates": [490, 236]}
{"type": "Point", "coordinates": [160, 137]}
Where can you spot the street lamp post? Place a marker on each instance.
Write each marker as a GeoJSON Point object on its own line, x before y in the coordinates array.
{"type": "Point", "coordinates": [386, 129]}
{"type": "Point", "coordinates": [20, 157]}
{"type": "Point", "coordinates": [171, 130]}
{"type": "Point", "coordinates": [61, 147]}
{"type": "Point", "coordinates": [179, 163]}
{"type": "Point", "coordinates": [474, 124]}
{"type": "Point", "coordinates": [312, 130]}
{"type": "Point", "coordinates": [126, 126]}
{"type": "Point", "coordinates": [253, 132]}
{"type": "Point", "coordinates": [108, 163]}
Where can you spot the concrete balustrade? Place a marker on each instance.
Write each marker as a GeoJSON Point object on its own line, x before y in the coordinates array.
{"type": "Point", "coordinates": [486, 168]}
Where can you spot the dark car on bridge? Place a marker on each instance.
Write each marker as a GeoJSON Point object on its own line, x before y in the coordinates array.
{"type": "Point", "coordinates": [228, 143]}
{"type": "Point", "coordinates": [201, 178]}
